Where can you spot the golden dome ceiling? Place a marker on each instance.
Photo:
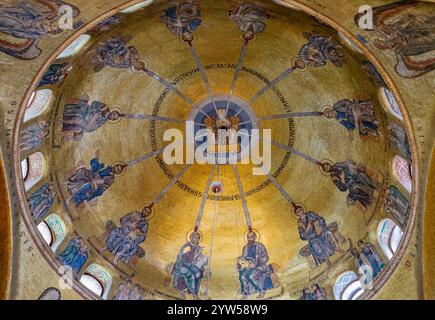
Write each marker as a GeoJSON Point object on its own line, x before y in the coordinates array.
{"type": "Point", "coordinates": [109, 205]}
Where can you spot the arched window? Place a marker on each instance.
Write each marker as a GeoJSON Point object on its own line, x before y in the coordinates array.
{"type": "Point", "coordinates": [402, 172]}
{"type": "Point", "coordinates": [25, 168]}
{"type": "Point", "coordinates": [77, 45]}
{"type": "Point", "coordinates": [39, 102]}
{"type": "Point", "coordinates": [390, 103]}
{"type": "Point", "coordinates": [389, 237]}
{"type": "Point", "coordinates": [97, 279]}
{"type": "Point", "coordinates": [348, 287]}
{"type": "Point", "coordinates": [52, 229]}
{"type": "Point", "coordinates": [33, 169]}
{"type": "Point", "coordinates": [137, 6]}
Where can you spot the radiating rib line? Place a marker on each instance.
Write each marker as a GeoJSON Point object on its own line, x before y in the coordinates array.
{"type": "Point", "coordinates": [170, 184]}
{"type": "Point", "coordinates": [169, 86]}
{"type": "Point", "coordinates": [276, 183]}
{"type": "Point", "coordinates": [158, 118]}
{"type": "Point", "coordinates": [147, 156]}
{"type": "Point", "coordinates": [152, 118]}
{"type": "Point", "coordinates": [237, 73]}
{"type": "Point", "coordinates": [203, 75]}
{"type": "Point", "coordinates": [296, 152]}
{"type": "Point", "coordinates": [204, 198]}
{"type": "Point", "coordinates": [281, 77]}
{"type": "Point", "coordinates": [286, 116]}
{"type": "Point", "coordinates": [173, 89]}
{"type": "Point", "coordinates": [242, 195]}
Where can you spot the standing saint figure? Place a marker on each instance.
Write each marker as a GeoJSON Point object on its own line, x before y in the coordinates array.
{"type": "Point", "coordinates": [75, 255]}
{"type": "Point", "coordinates": [399, 140]}
{"type": "Point", "coordinates": [85, 185]}
{"type": "Point", "coordinates": [397, 205]}
{"type": "Point", "coordinates": [254, 271]}
{"type": "Point", "coordinates": [368, 258]}
{"type": "Point", "coordinates": [123, 242]}
{"type": "Point", "coordinates": [189, 268]}
{"type": "Point", "coordinates": [353, 178]}
{"type": "Point", "coordinates": [23, 25]}
{"type": "Point", "coordinates": [321, 241]}
{"type": "Point", "coordinates": [41, 201]}
{"type": "Point", "coordinates": [355, 115]}
{"type": "Point", "coordinates": [33, 136]}
{"type": "Point", "coordinates": [55, 74]}
{"type": "Point", "coordinates": [80, 118]}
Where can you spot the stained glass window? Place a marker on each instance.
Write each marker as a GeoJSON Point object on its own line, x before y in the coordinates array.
{"type": "Point", "coordinates": [348, 287]}
{"type": "Point", "coordinates": [389, 237]}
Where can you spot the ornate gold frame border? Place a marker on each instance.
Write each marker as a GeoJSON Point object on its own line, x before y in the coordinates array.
{"type": "Point", "coordinates": [49, 257]}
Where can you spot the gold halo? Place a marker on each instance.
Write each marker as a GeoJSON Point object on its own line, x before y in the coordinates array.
{"type": "Point", "coordinates": [145, 62]}
{"type": "Point", "coordinates": [190, 233]}
{"type": "Point", "coordinates": [194, 38]}
{"type": "Point", "coordinates": [254, 37]}
{"type": "Point", "coordinates": [121, 163]}
{"type": "Point", "coordinates": [324, 109]}
{"type": "Point", "coordinates": [298, 205]}
{"type": "Point", "coordinates": [321, 167]}
{"type": "Point", "coordinates": [304, 69]}
{"type": "Point", "coordinates": [120, 112]}
{"type": "Point", "coordinates": [153, 210]}
{"type": "Point", "coordinates": [257, 233]}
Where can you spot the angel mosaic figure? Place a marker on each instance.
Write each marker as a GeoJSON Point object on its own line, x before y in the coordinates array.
{"type": "Point", "coordinates": [81, 118]}
{"type": "Point", "coordinates": [23, 25]}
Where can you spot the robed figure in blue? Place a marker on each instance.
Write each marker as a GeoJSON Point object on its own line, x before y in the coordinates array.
{"type": "Point", "coordinates": [85, 185]}
{"type": "Point", "coordinates": [55, 73]}
{"type": "Point", "coordinates": [189, 268]}
{"type": "Point", "coordinates": [313, 228]}
{"type": "Point", "coordinates": [75, 255]}
{"type": "Point", "coordinates": [81, 117]}
{"type": "Point", "coordinates": [354, 115]}
{"type": "Point", "coordinates": [370, 254]}
{"type": "Point", "coordinates": [183, 17]}
{"type": "Point", "coordinates": [123, 242]}
{"type": "Point", "coordinates": [353, 178]}
{"type": "Point", "coordinates": [41, 201]}
{"type": "Point", "coordinates": [254, 271]}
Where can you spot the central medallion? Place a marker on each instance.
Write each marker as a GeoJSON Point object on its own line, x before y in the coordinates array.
{"type": "Point", "coordinates": [231, 120]}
